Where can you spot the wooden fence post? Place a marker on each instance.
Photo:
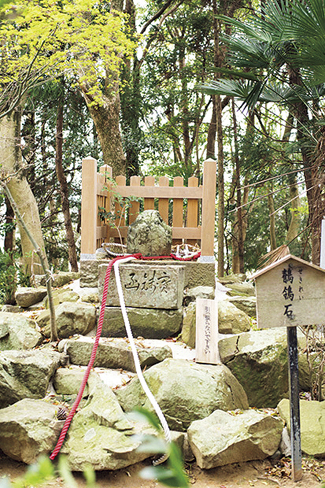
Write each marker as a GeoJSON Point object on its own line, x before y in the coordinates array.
{"type": "Point", "coordinates": [149, 203]}
{"type": "Point", "coordinates": [135, 205]}
{"type": "Point", "coordinates": [178, 207]}
{"type": "Point", "coordinates": [163, 203]}
{"type": "Point", "coordinates": [89, 209]}
{"type": "Point", "coordinates": [208, 210]}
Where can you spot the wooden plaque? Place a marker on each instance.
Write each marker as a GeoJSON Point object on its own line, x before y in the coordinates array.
{"type": "Point", "coordinates": [289, 293]}
{"type": "Point", "coordinates": [206, 332]}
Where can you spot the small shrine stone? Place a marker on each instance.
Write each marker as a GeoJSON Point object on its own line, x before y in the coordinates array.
{"type": "Point", "coordinates": [149, 235]}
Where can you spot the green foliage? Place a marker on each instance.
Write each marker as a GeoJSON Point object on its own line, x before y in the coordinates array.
{"type": "Point", "coordinates": [62, 37]}
{"type": "Point", "coordinates": [44, 470]}
{"type": "Point", "coordinates": [171, 475]}
{"type": "Point", "coordinates": [8, 277]}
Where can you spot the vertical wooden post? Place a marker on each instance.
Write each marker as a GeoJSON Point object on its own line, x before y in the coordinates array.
{"type": "Point", "coordinates": [192, 208]}
{"type": "Point", "coordinates": [322, 245]}
{"type": "Point", "coordinates": [294, 403]}
{"type": "Point", "coordinates": [120, 208]}
{"type": "Point", "coordinates": [178, 208]}
{"type": "Point", "coordinates": [208, 210]}
{"type": "Point", "coordinates": [163, 203]}
{"type": "Point", "coordinates": [135, 206]}
{"type": "Point", "coordinates": [149, 203]}
{"type": "Point", "coordinates": [88, 208]}
{"type": "Point", "coordinates": [106, 170]}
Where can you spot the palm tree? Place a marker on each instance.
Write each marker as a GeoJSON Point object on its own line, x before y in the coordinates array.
{"type": "Point", "coordinates": [279, 57]}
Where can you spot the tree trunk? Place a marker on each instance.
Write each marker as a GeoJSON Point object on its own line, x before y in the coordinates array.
{"type": "Point", "coordinates": [9, 241]}
{"type": "Point", "coordinates": [10, 127]}
{"type": "Point", "coordinates": [106, 116]}
{"type": "Point", "coordinates": [211, 140]}
{"type": "Point", "coordinates": [294, 206]}
{"type": "Point", "coordinates": [270, 202]}
{"type": "Point", "coordinates": [221, 192]}
{"type": "Point", "coordinates": [64, 191]}
{"type": "Point", "coordinates": [238, 195]}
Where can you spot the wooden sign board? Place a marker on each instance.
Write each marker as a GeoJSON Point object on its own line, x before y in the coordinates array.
{"type": "Point", "coordinates": [206, 347]}
{"type": "Point", "coordinates": [289, 293]}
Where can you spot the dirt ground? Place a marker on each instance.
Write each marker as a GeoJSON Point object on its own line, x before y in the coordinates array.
{"type": "Point", "coordinates": [258, 474]}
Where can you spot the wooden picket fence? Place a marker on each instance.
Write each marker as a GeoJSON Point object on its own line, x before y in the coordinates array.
{"type": "Point", "coordinates": [192, 222]}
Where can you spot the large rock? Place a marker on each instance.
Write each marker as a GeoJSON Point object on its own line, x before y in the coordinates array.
{"type": "Point", "coordinates": [26, 374]}
{"type": "Point", "coordinates": [17, 332]}
{"type": "Point", "coordinates": [189, 325]}
{"type": "Point", "coordinates": [58, 279]}
{"type": "Point", "coordinates": [259, 360]}
{"type": "Point", "coordinates": [145, 286]}
{"type": "Point", "coordinates": [231, 320]}
{"type": "Point", "coordinates": [145, 322]}
{"type": "Point", "coordinates": [67, 381]}
{"type": "Point", "coordinates": [185, 391]}
{"type": "Point", "coordinates": [62, 295]}
{"type": "Point", "coordinates": [241, 289]}
{"type": "Point", "coordinates": [26, 296]}
{"type": "Point", "coordinates": [232, 278]}
{"type": "Point", "coordinates": [223, 438]}
{"type": "Point", "coordinates": [312, 425]}
{"type": "Point", "coordinates": [71, 318]}
{"type": "Point", "coordinates": [28, 429]}
{"type": "Point", "coordinates": [113, 353]}
{"type": "Point", "coordinates": [149, 235]}
{"type": "Point", "coordinates": [101, 435]}
{"type": "Point", "coordinates": [191, 294]}
{"type": "Point", "coordinates": [246, 304]}
{"type": "Point", "coordinates": [89, 272]}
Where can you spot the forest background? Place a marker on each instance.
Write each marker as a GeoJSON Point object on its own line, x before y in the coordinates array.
{"type": "Point", "coordinates": [155, 88]}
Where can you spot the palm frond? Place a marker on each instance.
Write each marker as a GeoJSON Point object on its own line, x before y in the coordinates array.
{"type": "Point", "coordinates": [233, 88]}
{"type": "Point", "coordinates": [273, 256]}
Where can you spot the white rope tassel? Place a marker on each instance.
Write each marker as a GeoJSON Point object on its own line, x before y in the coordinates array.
{"type": "Point", "coordinates": [134, 350]}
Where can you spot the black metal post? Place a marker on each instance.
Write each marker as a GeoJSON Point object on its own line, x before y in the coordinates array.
{"type": "Point", "coordinates": [294, 403]}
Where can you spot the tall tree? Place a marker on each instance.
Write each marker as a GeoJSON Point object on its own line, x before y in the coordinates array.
{"type": "Point", "coordinates": [284, 43]}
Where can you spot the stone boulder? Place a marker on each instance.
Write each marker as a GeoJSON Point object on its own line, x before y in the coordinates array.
{"type": "Point", "coordinates": [246, 304]}
{"type": "Point", "coordinates": [312, 425]}
{"type": "Point", "coordinates": [259, 361]}
{"type": "Point", "coordinates": [185, 391]}
{"type": "Point", "coordinates": [232, 278]}
{"type": "Point", "coordinates": [58, 279]}
{"type": "Point", "coordinates": [71, 318]}
{"type": "Point", "coordinates": [113, 353]}
{"type": "Point", "coordinates": [146, 322]}
{"type": "Point", "coordinates": [189, 325]}
{"type": "Point", "coordinates": [231, 320]}
{"type": "Point", "coordinates": [242, 289]}
{"type": "Point", "coordinates": [26, 374]}
{"type": "Point", "coordinates": [101, 435]}
{"type": "Point", "coordinates": [67, 381]}
{"type": "Point", "coordinates": [18, 332]}
{"type": "Point", "coordinates": [149, 235]}
{"type": "Point", "coordinates": [191, 294]}
{"type": "Point", "coordinates": [224, 438]}
{"type": "Point", "coordinates": [61, 295]}
{"type": "Point", "coordinates": [27, 296]}
{"type": "Point", "coordinates": [28, 429]}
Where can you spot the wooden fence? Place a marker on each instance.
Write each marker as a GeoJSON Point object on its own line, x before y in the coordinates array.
{"type": "Point", "coordinates": [192, 222]}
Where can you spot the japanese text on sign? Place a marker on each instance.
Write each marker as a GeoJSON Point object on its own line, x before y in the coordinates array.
{"type": "Point", "coordinates": [150, 282]}
{"type": "Point", "coordinates": [293, 287]}
{"type": "Point", "coordinates": [207, 329]}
